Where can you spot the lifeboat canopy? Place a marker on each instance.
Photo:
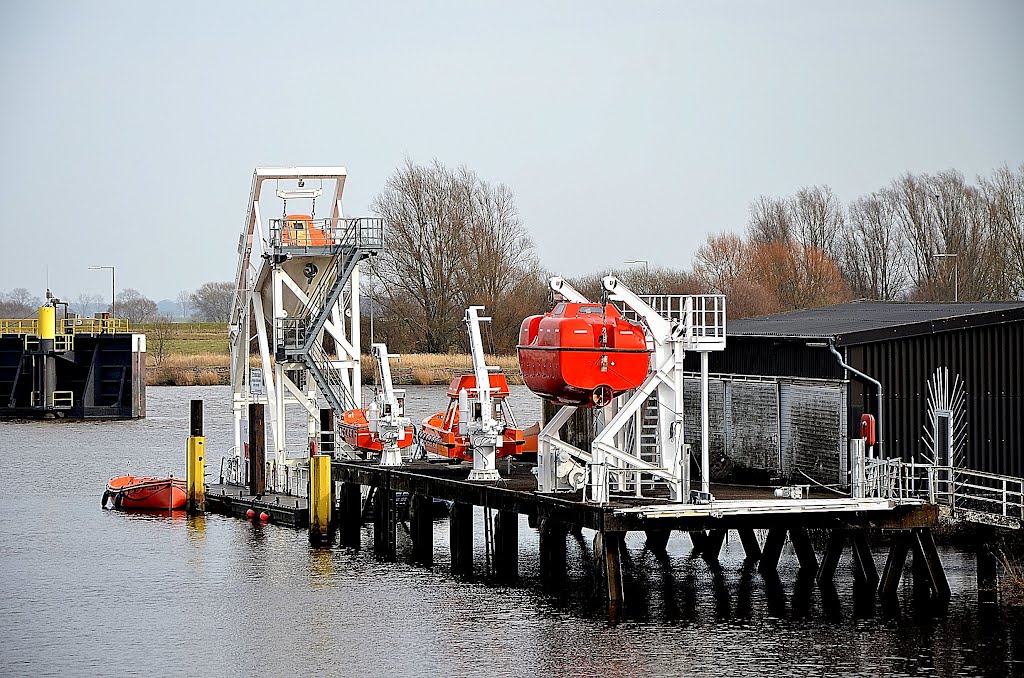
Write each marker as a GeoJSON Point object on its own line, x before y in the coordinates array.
{"type": "Point", "coordinates": [582, 354]}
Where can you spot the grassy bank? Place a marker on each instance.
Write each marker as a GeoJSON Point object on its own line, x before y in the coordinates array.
{"type": "Point", "coordinates": [196, 354]}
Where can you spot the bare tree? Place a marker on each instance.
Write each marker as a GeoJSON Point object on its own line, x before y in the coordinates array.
{"type": "Point", "coordinates": [871, 250]}
{"type": "Point", "coordinates": [159, 336]}
{"type": "Point", "coordinates": [135, 306]}
{"type": "Point", "coordinates": [212, 301]}
{"type": "Point", "coordinates": [720, 262]}
{"type": "Point", "coordinates": [184, 302]}
{"type": "Point", "coordinates": [452, 239]}
{"type": "Point", "coordinates": [816, 219]}
{"type": "Point", "coordinates": [86, 304]}
{"type": "Point", "coordinates": [1003, 196]}
{"type": "Point", "coordinates": [19, 303]}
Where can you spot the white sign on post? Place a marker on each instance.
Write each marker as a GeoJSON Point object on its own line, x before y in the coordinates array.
{"type": "Point", "coordinates": [256, 381]}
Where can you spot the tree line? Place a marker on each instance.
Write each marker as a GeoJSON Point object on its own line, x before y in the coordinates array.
{"type": "Point", "coordinates": [211, 302]}
{"type": "Point", "coordinates": [454, 239]}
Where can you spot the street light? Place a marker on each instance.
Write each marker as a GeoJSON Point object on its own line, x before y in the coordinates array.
{"type": "Point", "coordinates": [956, 272]}
{"type": "Point", "coordinates": [112, 294]}
{"type": "Point", "coordinates": [638, 261]}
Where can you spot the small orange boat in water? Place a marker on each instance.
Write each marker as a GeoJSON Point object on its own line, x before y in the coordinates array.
{"type": "Point", "coordinates": [153, 494]}
{"type": "Point", "coordinates": [440, 433]}
{"type": "Point", "coordinates": [356, 431]}
{"type": "Point", "coordinates": [582, 354]}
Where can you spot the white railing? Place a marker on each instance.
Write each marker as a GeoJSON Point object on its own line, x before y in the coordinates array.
{"type": "Point", "coordinates": [972, 495]}
{"type": "Point", "coordinates": [699, 318]}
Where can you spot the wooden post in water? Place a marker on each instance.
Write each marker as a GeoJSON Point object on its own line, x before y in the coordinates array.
{"type": "Point", "coordinates": [506, 546]}
{"type": "Point", "coordinates": [257, 450]}
{"type": "Point", "coordinates": [421, 528]}
{"type": "Point", "coordinates": [612, 544]}
{"type": "Point", "coordinates": [320, 496]}
{"type": "Point", "coordinates": [195, 480]}
{"type": "Point", "coordinates": [385, 520]}
{"type": "Point", "coordinates": [350, 508]}
{"type": "Point", "coordinates": [461, 538]}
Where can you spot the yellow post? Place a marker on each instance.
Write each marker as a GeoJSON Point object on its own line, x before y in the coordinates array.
{"type": "Point", "coordinates": [195, 488]}
{"type": "Point", "coordinates": [319, 497]}
{"type": "Point", "coordinates": [47, 322]}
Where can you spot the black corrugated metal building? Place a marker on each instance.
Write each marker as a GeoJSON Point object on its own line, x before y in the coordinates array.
{"type": "Point", "coordinates": [954, 373]}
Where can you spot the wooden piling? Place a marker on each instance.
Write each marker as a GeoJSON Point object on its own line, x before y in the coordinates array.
{"type": "Point", "coordinates": [460, 538]}
{"type": "Point", "coordinates": [421, 529]}
{"type": "Point", "coordinates": [385, 523]}
{"type": "Point", "coordinates": [613, 543]}
{"type": "Point", "coordinates": [864, 570]}
{"type": "Point", "coordinates": [257, 451]}
{"type": "Point", "coordinates": [893, 570]}
{"type": "Point", "coordinates": [657, 540]}
{"type": "Point", "coordinates": [772, 550]}
{"type": "Point", "coordinates": [924, 547]}
{"type": "Point", "coordinates": [506, 546]}
{"type": "Point", "coordinates": [750, 545]}
{"type": "Point", "coordinates": [350, 510]}
{"type": "Point", "coordinates": [552, 548]}
{"type": "Point", "coordinates": [713, 545]}
{"type": "Point", "coordinates": [804, 550]}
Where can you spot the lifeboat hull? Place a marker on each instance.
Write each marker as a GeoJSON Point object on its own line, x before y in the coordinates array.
{"type": "Point", "coordinates": [439, 433]}
{"type": "Point", "coordinates": [152, 494]}
{"type": "Point", "coordinates": [582, 354]}
{"type": "Point", "coordinates": [355, 430]}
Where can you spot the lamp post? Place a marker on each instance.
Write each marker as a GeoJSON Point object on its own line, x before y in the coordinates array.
{"type": "Point", "coordinates": [113, 295]}
{"type": "Point", "coordinates": [956, 272]}
{"type": "Point", "coordinates": [647, 277]}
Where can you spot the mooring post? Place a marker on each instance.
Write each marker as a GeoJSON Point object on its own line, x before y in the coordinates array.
{"type": "Point", "coordinates": [195, 466]}
{"type": "Point", "coordinates": [421, 527]}
{"type": "Point", "coordinates": [385, 520]}
{"type": "Point", "coordinates": [506, 546]}
{"type": "Point", "coordinates": [772, 550]}
{"type": "Point", "coordinates": [552, 534]}
{"type": "Point", "coordinates": [350, 506]}
{"type": "Point", "coordinates": [257, 450]}
{"type": "Point", "coordinates": [460, 538]}
{"type": "Point", "coordinates": [320, 499]}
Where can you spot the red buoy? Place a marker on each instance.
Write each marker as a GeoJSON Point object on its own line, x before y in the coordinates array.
{"type": "Point", "coordinates": [249, 513]}
{"type": "Point", "coordinates": [264, 516]}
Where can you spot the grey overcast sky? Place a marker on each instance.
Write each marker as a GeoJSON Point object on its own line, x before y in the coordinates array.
{"type": "Point", "coordinates": [627, 130]}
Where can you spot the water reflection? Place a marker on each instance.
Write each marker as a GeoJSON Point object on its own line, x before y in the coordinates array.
{"type": "Point", "coordinates": [81, 585]}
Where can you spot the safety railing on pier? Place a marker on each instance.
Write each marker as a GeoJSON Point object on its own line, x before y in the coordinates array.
{"type": "Point", "coordinates": [699, 318]}
{"type": "Point", "coordinates": [30, 326]}
{"type": "Point", "coordinates": [972, 495]}
{"type": "Point", "coordinates": [320, 236]}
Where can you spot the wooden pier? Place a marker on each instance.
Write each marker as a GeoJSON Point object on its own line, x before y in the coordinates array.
{"type": "Point", "coordinates": [742, 510]}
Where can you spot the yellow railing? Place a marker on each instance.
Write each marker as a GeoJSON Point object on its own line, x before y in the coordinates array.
{"type": "Point", "coordinates": [67, 326]}
{"type": "Point", "coordinates": [63, 398]}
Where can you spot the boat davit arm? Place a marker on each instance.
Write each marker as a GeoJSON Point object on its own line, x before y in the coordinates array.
{"type": "Point", "coordinates": [567, 291]}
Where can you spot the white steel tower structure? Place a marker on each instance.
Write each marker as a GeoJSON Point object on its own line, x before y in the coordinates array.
{"type": "Point", "coordinates": [297, 301]}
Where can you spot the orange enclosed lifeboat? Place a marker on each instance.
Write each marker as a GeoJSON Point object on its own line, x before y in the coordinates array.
{"type": "Point", "coordinates": [582, 354]}
{"type": "Point", "coordinates": [440, 435]}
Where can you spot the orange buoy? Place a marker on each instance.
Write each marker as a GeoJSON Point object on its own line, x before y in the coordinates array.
{"type": "Point", "coordinates": [249, 513]}
{"type": "Point", "coordinates": [264, 516]}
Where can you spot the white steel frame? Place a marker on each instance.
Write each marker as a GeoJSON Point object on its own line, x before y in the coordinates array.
{"type": "Point", "coordinates": [678, 324]}
{"type": "Point", "coordinates": [258, 277]}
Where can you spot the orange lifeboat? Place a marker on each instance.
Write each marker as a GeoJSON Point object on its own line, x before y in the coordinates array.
{"type": "Point", "coordinates": [154, 494]}
{"type": "Point", "coordinates": [355, 430]}
{"type": "Point", "coordinates": [582, 354]}
{"type": "Point", "coordinates": [440, 435]}
{"type": "Point", "coordinates": [301, 231]}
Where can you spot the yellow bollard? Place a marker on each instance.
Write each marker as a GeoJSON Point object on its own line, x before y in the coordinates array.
{"type": "Point", "coordinates": [319, 497]}
{"type": "Point", "coordinates": [47, 328]}
{"type": "Point", "coordinates": [195, 469]}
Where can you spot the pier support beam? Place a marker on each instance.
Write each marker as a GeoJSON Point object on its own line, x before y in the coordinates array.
{"type": "Point", "coordinates": [552, 551]}
{"type": "Point", "coordinates": [421, 528]}
{"type": "Point", "coordinates": [893, 570]}
{"type": "Point", "coordinates": [924, 548]}
{"type": "Point", "coordinates": [712, 546]}
{"type": "Point", "coordinates": [610, 546]}
{"type": "Point", "coordinates": [195, 473]}
{"type": "Point", "coordinates": [927, 566]}
{"type": "Point", "coordinates": [772, 550]}
{"type": "Point", "coordinates": [863, 563]}
{"type": "Point", "coordinates": [657, 540]}
{"type": "Point", "coordinates": [804, 550]}
{"type": "Point", "coordinates": [506, 547]}
{"type": "Point", "coordinates": [385, 522]}
{"type": "Point", "coordinates": [986, 559]}
{"type": "Point", "coordinates": [750, 545]}
{"type": "Point", "coordinates": [460, 526]}
{"type": "Point", "coordinates": [350, 510]}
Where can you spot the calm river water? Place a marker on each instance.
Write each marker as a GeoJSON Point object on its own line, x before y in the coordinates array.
{"type": "Point", "coordinates": [85, 591]}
